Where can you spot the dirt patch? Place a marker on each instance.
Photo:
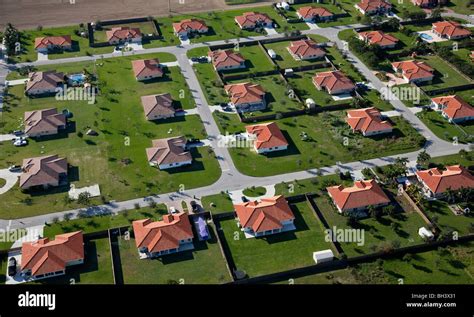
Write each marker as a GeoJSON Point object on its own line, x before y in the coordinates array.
{"type": "Point", "coordinates": [27, 14]}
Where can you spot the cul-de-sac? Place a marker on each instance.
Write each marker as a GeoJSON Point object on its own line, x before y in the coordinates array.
{"type": "Point", "coordinates": [237, 142]}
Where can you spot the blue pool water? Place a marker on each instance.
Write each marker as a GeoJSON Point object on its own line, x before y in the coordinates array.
{"type": "Point", "coordinates": [77, 79]}
{"type": "Point", "coordinates": [426, 36]}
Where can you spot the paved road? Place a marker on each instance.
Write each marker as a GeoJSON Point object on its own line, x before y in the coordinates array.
{"type": "Point", "coordinates": [231, 178]}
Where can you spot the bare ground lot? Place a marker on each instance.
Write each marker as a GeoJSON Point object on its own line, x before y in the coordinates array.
{"type": "Point", "coordinates": [27, 14]}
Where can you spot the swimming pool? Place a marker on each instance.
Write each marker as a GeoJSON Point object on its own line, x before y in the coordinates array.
{"type": "Point", "coordinates": [425, 36]}
{"type": "Point", "coordinates": [76, 79]}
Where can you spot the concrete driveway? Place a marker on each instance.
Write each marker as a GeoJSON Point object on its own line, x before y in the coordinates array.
{"type": "Point", "coordinates": [11, 179]}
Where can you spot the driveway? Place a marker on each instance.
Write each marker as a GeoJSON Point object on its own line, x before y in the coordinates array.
{"type": "Point", "coordinates": [6, 137]}
{"type": "Point", "coordinates": [236, 195]}
{"type": "Point", "coordinates": [16, 82]}
{"type": "Point", "coordinates": [11, 179]}
{"type": "Point", "coordinates": [271, 31]}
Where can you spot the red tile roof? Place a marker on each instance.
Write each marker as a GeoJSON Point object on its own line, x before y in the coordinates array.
{"type": "Point", "coordinates": [43, 120]}
{"type": "Point", "coordinates": [167, 151]}
{"type": "Point", "coordinates": [362, 194]}
{"type": "Point", "coordinates": [161, 105]}
{"type": "Point", "coordinates": [306, 48]}
{"type": "Point", "coordinates": [123, 33]}
{"type": "Point", "coordinates": [147, 67]}
{"type": "Point", "coordinates": [44, 42]}
{"type": "Point", "coordinates": [455, 107]}
{"type": "Point", "coordinates": [310, 12]}
{"type": "Point", "coordinates": [267, 214]}
{"type": "Point", "coordinates": [373, 5]}
{"type": "Point", "coordinates": [245, 93]}
{"type": "Point", "coordinates": [413, 69]}
{"type": "Point", "coordinates": [44, 256]}
{"type": "Point", "coordinates": [43, 170]}
{"type": "Point", "coordinates": [189, 25]}
{"type": "Point", "coordinates": [162, 235]}
{"type": "Point", "coordinates": [367, 120]}
{"type": "Point", "coordinates": [379, 38]}
{"type": "Point", "coordinates": [268, 135]}
{"type": "Point", "coordinates": [333, 80]}
{"type": "Point", "coordinates": [454, 177]}
{"type": "Point", "coordinates": [227, 58]}
{"type": "Point", "coordinates": [251, 19]}
{"type": "Point", "coordinates": [450, 29]}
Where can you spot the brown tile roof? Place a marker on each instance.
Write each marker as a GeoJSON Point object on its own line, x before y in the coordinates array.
{"type": "Point", "coordinates": [450, 29]}
{"type": "Point", "coordinates": [373, 5]}
{"type": "Point", "coordinates": [147, 67]}
{"type": "Point", "coordinates": [43, 170]}
{"type": "Point", "coordinates": [333, 80]}
{"type": "Point", "coordinates": [167, 151]}
{"type": "Point", "coordinates": [162, 235]}
{"type": "Point", "coordinates": [413, 69]}
{"type": "Point", "coordinates": [267, 214]}
{"type": "Point", "coordinates": [158, 105]}
{"type": "Point", "coordinates": [123, 33]}
{"type": "Point", "coordinates": [268, 135]}
{"type": "Point", "coordinates": [367, 120]}
{"type": "Point", "coordinates": [379, 38]}
{"type": "Point", "coordinates": [44, 256]}
{"type": "Point", "coordinates": [306, 48]}
{"type": "Point", "coordinates": [44, 80]}
{"type": "Point", "coordinates": [362, 194]}
{"type": "Point", "coordinates": [226, 58]}
{"type": "Point", "coordinates": [251, 19]}
{"type": "Point", "coordinates": [245, 93]}
{"type": "Point", "coordinates": [310, 12]}
{"type": "Point", "coordinates": [44, 42]}
{"type": "Point", "coordinates": [188, 25]}
{"type": "Point", "coordinates": [454, 177]}
{"type": "Point", "coordinates": [43, 120]}
{"type": "Point", "coordinates": [455, 107]}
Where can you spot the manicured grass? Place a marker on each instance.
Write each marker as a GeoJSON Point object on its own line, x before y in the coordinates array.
{"type": "Point", "coordinates": [306, 186]}
{"type": "Point", "coordinates": [254, 191]}
{"type": "Point", "coordinates": [145, 28]}
{"type": "Point", "coordinates": [463, 53]}
{"type": "Point", "coordinates": [256, 60]}
{"type": "Point", "coordinates": [404, 6]}
{"type": "Point", "coordinates": [347, 5]}
{"type": "Point", "coordinates": [100, 223]}
{"type": "Point", "coordinates": [323, 146]}
{"type": "Point", "coordinates": [440, 213]}
{"type": "Point", "coordinates": [228, 122]}
{"type": "Point", "coordinates": [203, 265]}
{"type": "Point", "coordinates": [222, 202]}
{"type": "Point", "coordinates": [341, 63]}
{"type": "Point", "coordinates": [2, 182]}
{"type": "Point", "coordinates": [454, 159]}
{"type": "Point", "coordinates": [278, 252]}
{"type": "Point", "coordinates": [461, 6]}
{"type": "Point", "coordinates": [463, 132]}
{"type": "Point", "coordinates": [285, 59]}
{"type": "Point", "coordinates": [97, 267]}
{"type": "Point", "coordinates": [375, 100]}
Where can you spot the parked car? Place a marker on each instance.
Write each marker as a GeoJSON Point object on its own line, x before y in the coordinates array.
{"type": "Point", "coordinates": [18, 132]}
{"type": "Point", "coordinates": [14, 168]}
{"type": "Point", "coordinates": [195, 59]}
{"type": "Point", "coordinates": [244, 199]}
{"type": "Point", "coordinates": [12, 267]}
{"type": "Point", "coordinates": [194, 140]}
{"type": "Point", "coordinates": [194, 205]}
{"type": "Point", "coordinates": [173, 210]}
{"type": "Point", "coordinates": [21, 142]}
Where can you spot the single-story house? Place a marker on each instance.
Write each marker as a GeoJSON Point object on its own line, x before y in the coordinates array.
{"type": "Point", "coordinates": [252, 20]}
{"type": "Point", "coordinates": [158, 106]}
{"type": "Point", "coordinates": [305, 50]}
{"type": "Point", "coordinates": [450, 30]}
{"type": "Point", "coordinates": [368, 121]}
{"type": "Point", "coordinates": [146, 69]}
{"type": "Point", "coordinates": [334, 82]}
{"type": "Point", "coordinates": [267, 137]}
{"type": "Point", "coordinates": [313, 14]}
{"type": "Point", "coordinates": [123, 34]}
{"type": "Point", "coordinates": [44, 122]}
{"type": "Point", "coordinates": [190, 26]}
{"type": "Point", "coordinates": [373, 7]}
{"type": "Point", "coordinates": [383, 40]}
{"type": "Point", "coordinates": [226, 60]}
{"type": "Point", "coordinates": [413, 71]}
{"type": "Point", "coordinates": [43, 171]}
{"type": "Point", "coordinates": [436, 183]}
{"type": "Point", "coordinates": [453, 108]}
{"type": "Point", "coordinates": [44, 83]}
{"type": "Point", "coordinates": [45, 44]}
{"type": "Point", "coordinates": [169, 153]}
{"type": "Point", "coordinates": [246, 97]}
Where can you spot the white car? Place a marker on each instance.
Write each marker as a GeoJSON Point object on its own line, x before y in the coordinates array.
{"type": "Point", "coordinates": [173, 210]}
{"type": "Point", "coordinates": [20, 142]}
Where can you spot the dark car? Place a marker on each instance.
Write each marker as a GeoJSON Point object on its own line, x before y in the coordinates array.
{"type": "Point", "coordinates": [194, 205]}
{"type": "Point", "coordinates": [18, 132]}
{"type": "Point", "coordinates": [194, 140]}
{"type": "Point", "coordinates": [12, 267]}
{"type": "Point", "coordinates": [244, 199]}
{"type": "Point", "coordinates": [195, 59]}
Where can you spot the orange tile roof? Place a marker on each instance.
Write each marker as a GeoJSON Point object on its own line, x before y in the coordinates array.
{"type": "Point", "coordinates": [245, 93]}
{"type": "Point", "coordinates": [362, 194]}
{"type": "Point", "coordinates": [310, 12]}
{"type": "Point", "coordinates": [450, 29]}
{"type": "Point", "coordinates": [251, 19]}
{"type": "Point", "coordinates": [379, 38]}
{"type": "Point", "coordinates": [268, 135]}
{"type": "Point", "coordinates": [43, 170]}
{"type": "Point", "coordinates": [147, 67]}
{"type": "Point", "coordinates": [122, 33]}
{"type": "Point", "coordinates": [161, 105]}
{"type": "Point", "coordinates": [162, 235]}
{"type": "Point", "coordinates": [306, 48]}
{"type": "Point", "coordinates": [44, 42]}
{"type": "Point", "coordinates": [373, 5]}
{"type": "Point", "coordinates": [169, 150]}
{"type": "Point", "coordinates": [454, 177]}
{"type": "Point", "coordinates": [413, 69]}
{"type": "Point", "coordinates": [188, 25]}
{"type": "Point", "coordinates": [226, 58]}
{"type": "Point", "coordinates": [267, 214]}
{"type": "Point", "coordinates": [367, 120]}
{"type": "Point", "coordinates": [333, 80]}
{"type": "Point", "coordinates": [455, 107]}
{"type": "Point", "coordinates": [44, 256]}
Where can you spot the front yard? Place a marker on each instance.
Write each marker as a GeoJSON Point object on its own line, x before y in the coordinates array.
{"type": "Point", "coordinates": [440, 213]}
{"type": "Point", "coordinates": [462, 132]}
{"type": "Point", "coordinates": [220, 203]}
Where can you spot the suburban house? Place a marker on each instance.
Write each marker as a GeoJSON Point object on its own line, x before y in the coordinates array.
{"type": "Point", "coordinates": [252, 20]}
{"type": "Point", "coordinates": [334, 82]}
{"type": "Point", "coordinates": [43, 171]}
{"type": "Point", "coordinates": [44, 122]}
{"type": "Point", "coordinates": [450, 30]}
{"type": "Point", "coordinates": [383, 40]}
{"type": "Point", "coordinates": [436, 183]}
{"type": "Point", "coordinates": [226, 60]}
{"type": "Point", "coordinates": [190, 26]}
{"type": "Point", "coordinates": [413, 71]}
{"type": "Point", "coordinates": [267, 216]}
{"type": "Point", "coordinates": [358, 197]}
{"type": "Point", "coordinates": [246, 97]}
{"type": "Point", "coordinates": [123, 34]}
{"type": "Point", "coordinates": [313, 14]}
{"type": "Point", "coordinates": [373, 7]}
{"type": "Point", "coordinates": [305, 50]}
{"type": "Point", "coordinates": [169, 153]}
{"type": "Point", "coordinates": [42, 83]}
{"type": "Point", "coordinates": [146, 69]}
{"type": "Point", "coordinates": [47, 258]}
{"type": "Point", "coordinates": [158, 106]}
{"type": "Point", "coordinates": [429, 3]}
{"type": "Point", "coordinates": [267, 137]}
{"type": "Point", "coordinates": [170, 235]}
{"type": "Point", "coordinates": [453, 108]}
{"type": "Point", "coordinates": [45, 44]}
{"type": "Point", "coordinates": [368, 121]}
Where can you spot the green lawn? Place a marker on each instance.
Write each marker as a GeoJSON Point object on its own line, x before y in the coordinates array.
{"type": "Point", "coordinates": [285, 59]}
{"type": "Point", "coordinates": [347, 6]}
{"type": "Point", "coordinates": [461, 6]}
{"type": "Point", "coordinates": [145, 28]}
{"type": "Point", "coordinates": [279, 252]}
{"type": "Point", "coordinates": [375, 100]}
{"type": "Point", "coordinates": [256, 60]}
{"type": "Point", "coordinates": [440, 213]}
{"type": "Point", "coordinates": [464, 160]}
{"type": "Point", "coordinates": [306, 186]}
{"type": "Point", "coordinates": [228, 122]}
{"type": "Point", "coordinates": [254, 191]}
{"type": "Point", "coordinates": [343, 276]}
{"type": "Point", "coordinates": [341, 63]}
{"type": "Point", "coordinates": [203, 265]}
{"type": "Point", "coordinates": [97, 267]}
{"type": "Point", "coordinates": [445, 130]}
{"type": "Point", "coordinates": [222, 202]}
